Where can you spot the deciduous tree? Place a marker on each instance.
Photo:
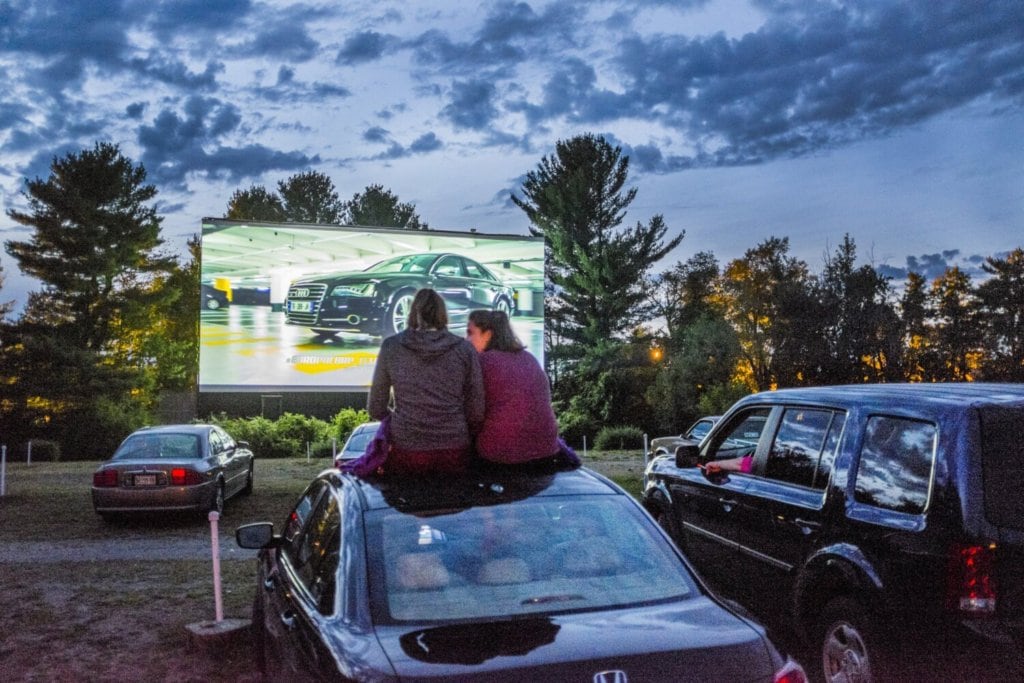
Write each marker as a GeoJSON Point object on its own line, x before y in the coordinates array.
{"type": "Point", "coordinates": [255, 204]}
{"type": "Point", "coordinates": [310, 197]}
{"type": "Point", "coordinates": [378, 207]}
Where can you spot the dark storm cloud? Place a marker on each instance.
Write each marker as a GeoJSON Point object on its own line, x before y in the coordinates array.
{"type": "Point", "coordinates": [510, 34]}
{"type": "Point", "coordinates": [364, 47]}
{"type": "Point", "coordinates": [173, 17]}
{"type": "Point", "coordinates": [11, 114]}
{"type": "Point", "coordinates": [471, 105]}
{"type": "Point", "coordinates": [288, 89]}
{"type": "Point", "coordinates": [135, 110]}
{"type": "Point", "coordinates": [819, 75]}
{"type": "Point", "coordinates": [177, 74]}
{"type": "Point", "coordinates": [931, 266]}
{"type": "Point", "coordinates": [376, 134]}
{"type": "Point", "coordinates": [428, 142]}
{"type": "Point", "coordinates": [282, 41]}
{"type": "Point", "coordinates": [175, 146]}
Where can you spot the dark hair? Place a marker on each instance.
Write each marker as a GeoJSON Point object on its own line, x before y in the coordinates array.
{"type": "Point", "coordinates": [428, 311]}
{"type": "Point", "coordinates": [497, 323]}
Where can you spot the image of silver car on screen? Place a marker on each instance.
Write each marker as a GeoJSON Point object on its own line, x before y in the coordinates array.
{"type": "Point", "coordinates": [376, 301]}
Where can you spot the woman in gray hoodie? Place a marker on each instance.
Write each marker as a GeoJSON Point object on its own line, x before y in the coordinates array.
{"type": "Point", "coordinates": [429, 381]}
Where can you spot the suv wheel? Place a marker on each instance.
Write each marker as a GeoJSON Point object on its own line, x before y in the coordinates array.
{"type": "Point", "coordinates": [848, 647]}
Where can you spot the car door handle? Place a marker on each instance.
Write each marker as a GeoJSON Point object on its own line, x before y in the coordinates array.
{"type": "Point", "coordinates": [288, 619]}
{"type": "Point", "coordinates": [806, 526]}
{"type": "Point", "coordinates": [727, 503]}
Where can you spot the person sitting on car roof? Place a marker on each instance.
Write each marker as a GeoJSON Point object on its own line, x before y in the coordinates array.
{"type": "Point", "coordinates": [437, 388]}
{"type": "Point", "coordinates": [519, 424]}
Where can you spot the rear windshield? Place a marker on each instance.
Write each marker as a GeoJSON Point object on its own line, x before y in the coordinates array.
{"type": "Point", "coordinates": [533, 557]}
{"type": "Point", "coordinates": [158, 447]}
{"type": "Point", "coordinates": [1002, 458]}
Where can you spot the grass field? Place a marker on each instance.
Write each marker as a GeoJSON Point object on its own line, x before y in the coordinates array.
{"type": "Point", "coordinates": [79, 619]}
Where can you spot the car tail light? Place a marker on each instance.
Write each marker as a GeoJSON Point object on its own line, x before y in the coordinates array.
{"type": "Point", "coordinates": [972, 586]}
{"type": "Point", "coordinates": [183, 476]}
{"type": "Point", "coordinates": [791, 672]}
{"type": "Point", "coordinates": [104, 478]}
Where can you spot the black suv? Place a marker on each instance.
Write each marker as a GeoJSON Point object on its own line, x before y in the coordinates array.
{"type": "Point", "coordinates": [872, 519]}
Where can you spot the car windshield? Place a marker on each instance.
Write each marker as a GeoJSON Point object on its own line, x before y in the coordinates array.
{"type": "Point", "coordinates": [160, 446]}
{"type": "Point", "coordinates": [357, 442]}
{"type": "Point", "coordinates": [533, 557]}
{"type": "Point", "coordinates": [411, 263]}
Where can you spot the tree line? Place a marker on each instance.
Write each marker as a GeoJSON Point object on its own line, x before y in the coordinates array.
{"type": "Point", "coordinates": [114, 326]}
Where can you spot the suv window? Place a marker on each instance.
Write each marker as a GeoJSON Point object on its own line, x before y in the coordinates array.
{"type": "Point", "coordinates": [740, 436]}
{"type": "Point", "coordinates": [896, 464]}
{"type": "Point", "coordinates": [804, 447]}
{"type": "Point", "coordinates": [1002, 457]}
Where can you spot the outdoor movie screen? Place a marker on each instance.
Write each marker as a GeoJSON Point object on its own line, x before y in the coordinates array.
{"type": "Point", "coordinates": [293, 307]}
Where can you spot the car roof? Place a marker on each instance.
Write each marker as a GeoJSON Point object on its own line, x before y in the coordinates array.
{"type": "Point", "coordinates": [479, 488]}
{"type": "Point", "coordinates": [939, 394]}
{"type": "Point", "coordinates": [175, 429]}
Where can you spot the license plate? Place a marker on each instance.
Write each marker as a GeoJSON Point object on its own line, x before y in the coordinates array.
{"type": "Point", "coordinates": [301, 306]}
{"type": "Point", "coordinates": [145, 480]}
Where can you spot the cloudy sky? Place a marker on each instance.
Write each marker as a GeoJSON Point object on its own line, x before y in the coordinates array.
{"type": "Point", "coordinates": [899, 122]}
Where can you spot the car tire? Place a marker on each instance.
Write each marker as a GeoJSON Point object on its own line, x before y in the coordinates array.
{"type": "Point", "coordinates": [259, 636]}
{"type": "Point", "coordinates": [247, 489]}
{"type": "Point", "coordinates": [398, 313]}
{"type": "Point", "coordinates": [218, 500]}
{"type": "Point", "coordinates": [212, 304]}
{"type": "Point", "coordinates": [504, 306]}
{"type": "Point", "coordinates": [847, 643]}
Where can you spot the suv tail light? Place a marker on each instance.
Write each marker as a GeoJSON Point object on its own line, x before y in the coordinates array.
{"type": "Point", "coordinates": [104, 478]}
{"type": "Point", "coordinates": [972, 586]}
{"type": "Point", "coordinates": [791, 672]}
{"type": "Point", "coordinates": [183, 476]}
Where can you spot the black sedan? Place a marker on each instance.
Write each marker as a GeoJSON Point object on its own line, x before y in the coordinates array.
{"type": "Point", "coordinates": [376, 301]}
{"type": "Point", "coordinates": [490, 576]}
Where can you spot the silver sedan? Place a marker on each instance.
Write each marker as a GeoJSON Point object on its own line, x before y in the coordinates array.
{"type": "Point", "coordinates": [173, 468]}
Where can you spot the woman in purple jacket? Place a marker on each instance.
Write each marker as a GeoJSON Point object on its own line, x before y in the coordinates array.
{"type": "Point", "coordinates": [519, 424]}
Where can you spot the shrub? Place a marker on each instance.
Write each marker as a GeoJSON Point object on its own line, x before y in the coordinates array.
{"type": "Point", "coordinates": [303, 429]}
{"type": "Point", "coordinates": [618, 438]}
{"type": "Point", "coordinates": [262, 435]}
{"type": "Point", "coordinates": [345, 421]}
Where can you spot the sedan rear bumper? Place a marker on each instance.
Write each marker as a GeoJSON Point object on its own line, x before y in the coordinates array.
{"type": "Point", "coordinates": [163, 499]}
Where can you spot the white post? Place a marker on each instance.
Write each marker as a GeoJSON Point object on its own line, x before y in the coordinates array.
{"type": "Point", "coordinates": [28, 459]}
{"type": "Point", "coordinates": [218, 604]}
{"type": "Point", "coordinates": [307, 451]}
{"type": "Point", "coordinates": [3, 470]}
{"type": "Point", "coordinates": [646, 460]}
{"type": "Point", "coordinates": [334, 448]}
{"type": "Point", "coordinates": [584, 445]}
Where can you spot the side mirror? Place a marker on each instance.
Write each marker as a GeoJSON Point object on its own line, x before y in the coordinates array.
{"type": "Point", "coordinates": [242, 444]}
{"type": "Point", "coordinates": [687, 455]}
{"type": "Point", "coordinates": [255, 536]}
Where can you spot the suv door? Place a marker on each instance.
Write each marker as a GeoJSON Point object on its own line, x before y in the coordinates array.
{"type": "Point", "coordinates": [703, 505]}
{"type": "Point", "coordinates": [781, 513]}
